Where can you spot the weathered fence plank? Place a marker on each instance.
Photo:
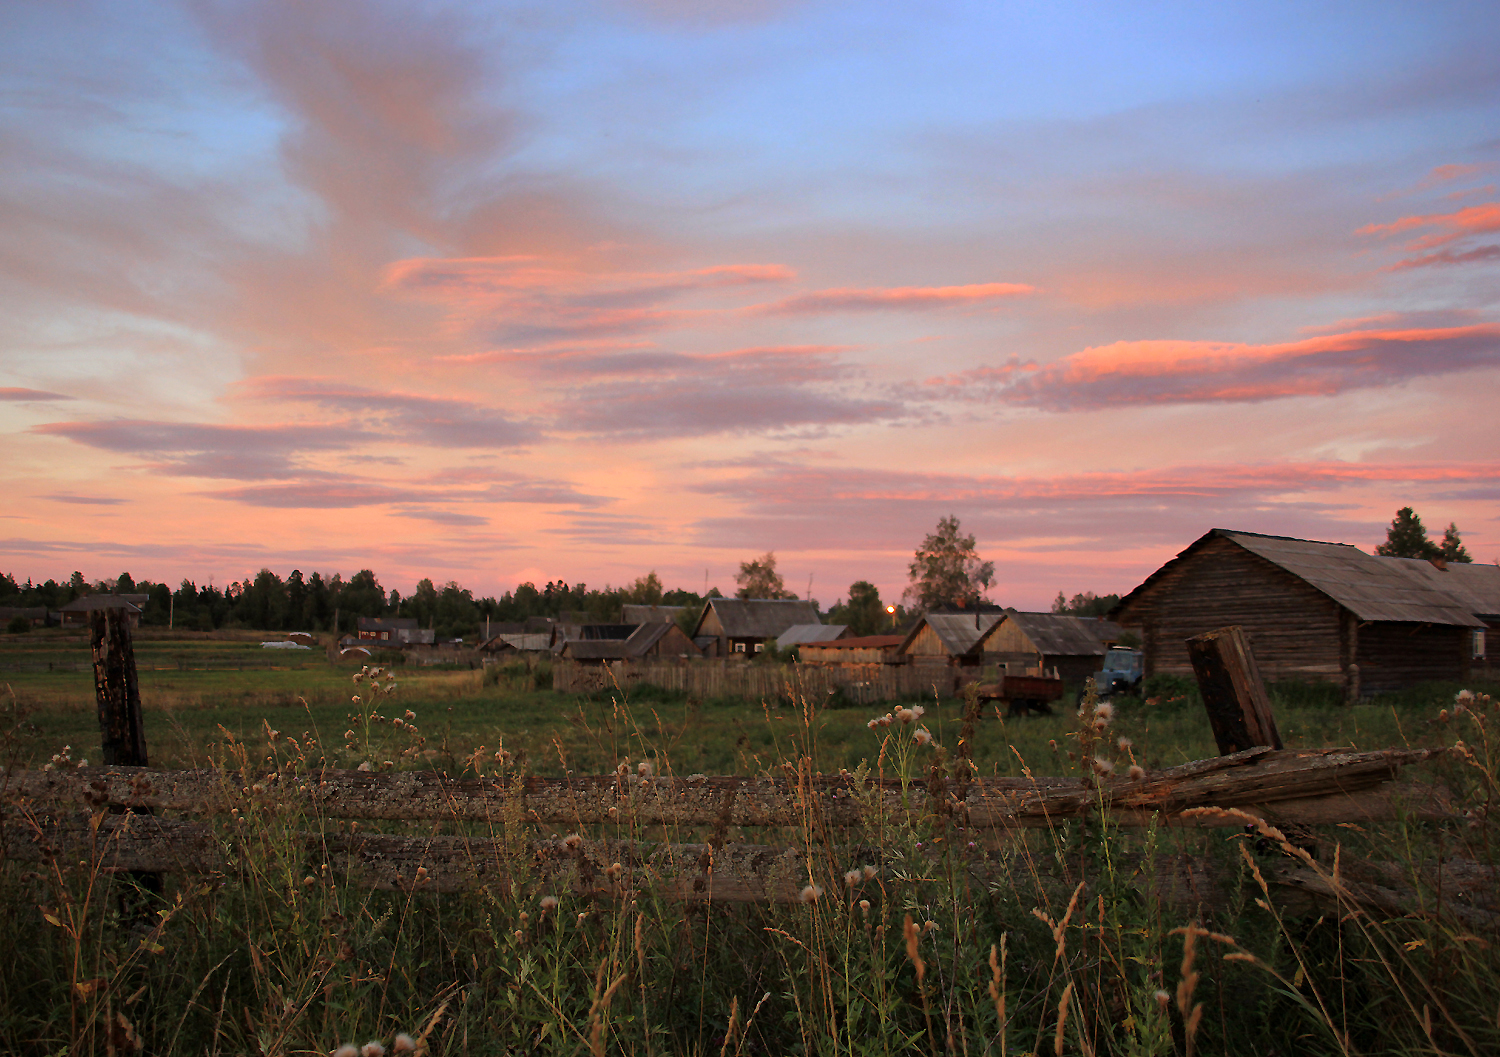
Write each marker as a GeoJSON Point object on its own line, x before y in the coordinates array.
{"type": "Point", "coordinates": [1233, 693]}
{"type": "Point", "coordinates": [1324, 785]}
{"type": "Point", "coordinates": [117, 690]}
{"type": "Point", "coordinates": [611, 871]}
{"type": "Point", "coordinates": [857, 684]}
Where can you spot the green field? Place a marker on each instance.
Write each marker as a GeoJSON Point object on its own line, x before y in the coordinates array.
{"type": "Point", "coordinates": [195, 690]}
{"type": "Point", "coordinates": [1062, 946]}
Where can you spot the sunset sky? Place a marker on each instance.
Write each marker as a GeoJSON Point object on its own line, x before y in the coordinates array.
{"type": "Point", "coordinates": [501, 292]}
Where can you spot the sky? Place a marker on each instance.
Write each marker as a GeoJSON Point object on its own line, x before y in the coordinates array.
{"type": "Point", "coordinates": [498, 292]}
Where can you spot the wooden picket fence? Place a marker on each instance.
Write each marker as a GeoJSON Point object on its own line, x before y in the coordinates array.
{"type": "Point", "coordinates": [852, 684]}
{"type": "Point", "coordinates": [682, 837]}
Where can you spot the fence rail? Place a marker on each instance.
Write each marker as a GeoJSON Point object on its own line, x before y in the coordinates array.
{"type": "Point", "coordinates": [857, 684]}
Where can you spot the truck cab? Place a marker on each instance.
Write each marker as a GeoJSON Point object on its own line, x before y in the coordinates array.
{"type": "Point", "coordinates": [1121, 673]}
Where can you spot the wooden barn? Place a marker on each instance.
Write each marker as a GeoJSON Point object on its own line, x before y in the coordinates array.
{"type": "Point", "coordinates": [657, 639]}
{"type": "Point", "coordinates": [1312, 611]}
{"type": "Point", "coordinates": [730, 626]}
{"type": "Point", "coordinates": [947, 638]}
{"type": "Point", "coordinates": [1026, 643]}
{"type": "Point", "coordinates": [80, 611]}
{"type": "Point", "coordinates": [864, 649]}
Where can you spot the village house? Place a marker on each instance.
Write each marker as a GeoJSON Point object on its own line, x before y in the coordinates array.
{"type": "Point", "coordinates": [656, 639]}
{"type": "Point", "coordinates": [804, 634]}
{"type": "Point", "coordinates": [80, 612]}
{"type": "Point", "coordinates": [729, 627]}
{"type": "Point", "coordinates": [1032, 643]}
{"type": "Point", "coordinates": [947, 638]}
{"type": "Point", "coordinates": [1317, 611]}
{"type": "Point", "coordinates": [862, 649]}
{"type": "Point", "coordinates": [35, 616]}
{"type": "Point", "coordinates": [394, 631]}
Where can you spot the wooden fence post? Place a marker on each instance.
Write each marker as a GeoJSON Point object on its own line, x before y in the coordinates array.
{"type": "Point", "coordinates": [1233, 693]}
{"type": "Point", "coordinates": [117, 690]}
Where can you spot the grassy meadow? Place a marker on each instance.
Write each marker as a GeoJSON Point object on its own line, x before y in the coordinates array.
{"type": "Point", "coordinates": [952, 942]}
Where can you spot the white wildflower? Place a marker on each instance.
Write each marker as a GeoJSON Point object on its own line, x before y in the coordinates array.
{"type": "Point", "coordinates": [811, 894]}
{"type": "Point", "coordinates": [853, 877]}
{"type": "Point", "coordinates": [548, 903]}
{"type": "Point", "coordinates": [922, 736]}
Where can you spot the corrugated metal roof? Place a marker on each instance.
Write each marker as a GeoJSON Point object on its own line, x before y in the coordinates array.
{"type": "Point", "coordinates": [1063, 634]}
{"type": "Point", "coordinates": [1475, 587]}
{"type": "Point", "coordinates": [1371, 587]}
{"type": "Point", "coordinates": [800, 634]}
{"type": "Point", "coordinates": [761, 618]}
{"type": "Point", "coordinates": [958, 632]}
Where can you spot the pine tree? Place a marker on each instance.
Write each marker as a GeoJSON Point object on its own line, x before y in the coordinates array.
{"type": "Point", "coordinates": [1407, 538]}
{"type": "Point", "coordinates": [1452, 548]}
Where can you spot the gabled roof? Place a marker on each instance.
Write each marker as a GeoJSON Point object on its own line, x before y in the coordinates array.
{"type": "Point", "coordinates": [632, 614]}
{"type": "Point", "coordinates": [1061, 634]}
{"type": "Point", "coordinates": [958, 632]}
{"type": "Point", "coordinates": [864, 642]}
{"type": "Point", "coordinates": [758, 618]}
{"type": "Point", "coordinates": [387, 623]}
{"type": "Point", "coordinates": [638, 644]}
{"type": "Point", "coordinates": [802, 634]}
{"type": "Point", "coordinates": [1369, 586]}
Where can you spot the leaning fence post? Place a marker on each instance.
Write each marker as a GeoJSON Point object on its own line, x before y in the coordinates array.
{"type": "Point", "coordinates": [117, 690]}
{"type": "Point", "coordinates": [1233, 694]}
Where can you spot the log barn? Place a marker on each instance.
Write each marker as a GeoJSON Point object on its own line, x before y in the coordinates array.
{"type": "Point", "coordinates": [947, 638]}
{"type": "Point", "coordinates": [1023, 643]}
{"type": "Point", "coordinates": [1313, 611]}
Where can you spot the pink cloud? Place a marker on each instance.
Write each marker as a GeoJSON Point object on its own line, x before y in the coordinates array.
{"type": "Point", "coordinates": [895, 298]}
{"type": "Point", "coordinates": [1140, 373]}
{"type": "Point", "coordinates": [191, 449]}
{"type": "Point", "coordinates": [1472, 220]}
{"type": "Point", "coordinates": [20, 395]}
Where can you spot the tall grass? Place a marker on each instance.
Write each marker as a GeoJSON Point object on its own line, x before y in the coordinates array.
{"type": "Point", "coordinates": [913, 933]}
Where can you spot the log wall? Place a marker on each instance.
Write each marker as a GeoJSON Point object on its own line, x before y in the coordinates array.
{"type": "Point", "coordinates": [1392, 656]}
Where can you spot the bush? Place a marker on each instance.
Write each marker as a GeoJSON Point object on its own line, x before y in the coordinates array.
{"type": "Point", "coordinates": [1175, 690]}
{"type": "Point", "coordinates": [18, 626]}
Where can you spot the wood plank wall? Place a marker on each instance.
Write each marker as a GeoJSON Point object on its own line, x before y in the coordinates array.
{"type": "Point", "coordinates": [860, 683]}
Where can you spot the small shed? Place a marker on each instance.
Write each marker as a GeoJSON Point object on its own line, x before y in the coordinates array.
{"type": "Point", "coordinates": [394, 631]}
{"type": "Point", "coordinates": [862, 649]}
{"type": "Point", "coordinates": [947, 638]}
{"type": "Point", "coordinates": [33, 615]}
{"type": "Point", "coordinates": [803, 634]}
{"type": "Point", "coordinates": [80, 612]}
{"type": "Point", "coordinates": [1026, 643]}
{"type": "Point", "coordinates": [743, 625]}
{"type": "Point", "coordinates": [657, 639]}
{"type": "Point", "coordinates": [1314, 611]}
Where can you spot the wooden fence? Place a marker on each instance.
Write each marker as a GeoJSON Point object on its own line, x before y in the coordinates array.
{"type": "Point", "coordinates": [853, 684]}
{"type": "Point", "coordinates": [683, 837]}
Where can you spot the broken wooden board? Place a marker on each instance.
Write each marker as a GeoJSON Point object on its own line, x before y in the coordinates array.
{"type": "Point", "coordinates": [617, 871]}
{"type": "Point", "coordinates": [1322, 785]}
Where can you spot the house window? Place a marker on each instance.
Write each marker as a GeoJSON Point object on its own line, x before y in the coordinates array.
{"type": "Point", "coordinates": [759, 646]}
{"type": "Point", "coordinates": [739, 647]}
{"type": "Point", "coordinates": [1478, 643]}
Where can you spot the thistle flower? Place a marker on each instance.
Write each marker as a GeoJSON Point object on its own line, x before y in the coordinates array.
{"type": "Point", "coordinates": [1104, 710]}
{"type": "Point", "coordinates": [870, 872]}
{"type": "Point", "coordinates": [917, 712]}
{"type": "Point", "coordinates": [409, 715]}
{"type": "Point", "coordinates": [922, 736]}
{"type": "Point", "coordinates": [873, 724]}
{"type": "Point", "coordinates": [811, 894]}
{"type": "Point", "coordinates": [853, 877]}
{"type": "Point", "coordinates": [403, 1043]}
{"type": "Point", "coordinates": [355, 699]}
{"type": "Point", "coordinates": [1464, 697]}
{"type": "Point", "coordinates": [864, 907]}
{"type": "Point", "coordinates": [904, 715]}
{"type": "Point", "coordinates": [348, 1049]}
{"type": "Point", "coordinates": [1102, 765]}
{"type": "Point", "coordinates": [548, 903]}
{"type": "Point", "coordinates": [1136, 771]}
{"type": "Point", "coordinates": [572, 840]}
{"type": "Point", "coordinates": [1163, 1000]}
{"type": "Point", "coordinates": [614, 871]}
{"type": "Point", "coordinates": [1100, 725]}
{"type": "Point", "coordinates": [359, 677]}
{"type": "Point", "coordinates": [364, 766]}
{"type": "Point", "coordinates": [1124, 743]}
{"type": "Point", "coordinates": [372, 1049]}
{"type": "Point", "coordinates": [645, 769]}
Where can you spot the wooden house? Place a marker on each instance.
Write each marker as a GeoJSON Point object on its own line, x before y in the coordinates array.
{"type": "Point", "coordinates": [393, 631]}
{"type": "Point", "coordinates": [80, 611]}
{"type": "Point", "coordinates": [863, 649]}
{"type": "Point", "coordinates": [1313, 611]}
{"type": "Point", "coordinates": [947, 638]}
{"type": "Point", "coordinates": [655, 639]}
{"type": "Point", "coordinates": [1030, 643]}
{"type": "Point", "coordinates": [731, 626]}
